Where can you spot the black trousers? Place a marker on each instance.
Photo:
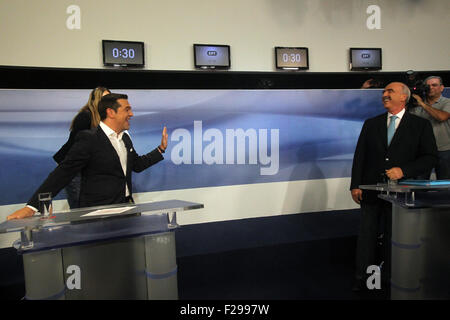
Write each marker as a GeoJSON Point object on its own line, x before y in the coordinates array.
{"type": "Point", "coordinates": [376, 219]}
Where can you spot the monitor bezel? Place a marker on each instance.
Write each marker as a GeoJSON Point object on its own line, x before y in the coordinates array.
{"type": "Point", "coordinates": [201, 66]}
{"type": "Point", "coordinates": [352, 68]}
{"type": "Point", "coordinates": [292, 68]}
{"type": "Point", "coordinates": [109, 64]}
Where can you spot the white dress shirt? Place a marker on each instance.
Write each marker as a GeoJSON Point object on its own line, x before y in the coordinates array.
{"type": "Point", "coordinates": [119, 146]}
{"type": "Point", "coordinates": [397, 120]}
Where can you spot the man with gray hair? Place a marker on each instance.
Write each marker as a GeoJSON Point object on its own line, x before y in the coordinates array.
{"type": "Point", "coordinates": [393, 145]}
{"type": "Point", "coordinates": [436, 109]}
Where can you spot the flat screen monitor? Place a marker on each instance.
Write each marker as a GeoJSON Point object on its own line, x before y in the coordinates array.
{"type": "Point", "coordinates": [211, 56]}
{"type": "Point", "coordinates": [365, 59]}
{"type": "Point", "coordinates": [123, 53]}
{"type": "Point", "coordinates": [291, 58]}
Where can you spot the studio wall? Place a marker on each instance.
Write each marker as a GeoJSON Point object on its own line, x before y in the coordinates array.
{"type": "Point", "coordinates": [68, 33]}
{"type": "Point", "coordinates": [242, 153]}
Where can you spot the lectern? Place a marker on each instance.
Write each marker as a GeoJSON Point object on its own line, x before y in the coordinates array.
{"type": "Point", "coordinates": [124, 251]}
{"type": "Point", "coordinates": [420, 256]}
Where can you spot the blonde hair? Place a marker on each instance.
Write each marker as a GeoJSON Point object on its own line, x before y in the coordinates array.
{"type": "Point", "coordinates": [92, 105]}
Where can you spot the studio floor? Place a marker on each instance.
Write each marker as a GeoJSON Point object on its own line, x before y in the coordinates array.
{"type": "Point", "coordinates": [279, 272]}
{"type": "Point", "coordinates": [312, 270]}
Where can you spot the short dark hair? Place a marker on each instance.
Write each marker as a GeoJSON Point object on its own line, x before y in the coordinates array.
{"type": "Point", "coordinates": [109, 101]}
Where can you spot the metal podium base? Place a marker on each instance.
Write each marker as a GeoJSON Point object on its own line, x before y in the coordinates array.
{"type": "Point", "coordinates": [420, 253]}
{"type": "Point", "coordinates": [117, 251]}
{"type": "Point", "coordinates": [420, 259]}
{"type": "Point", "coordinates": [136, 268]}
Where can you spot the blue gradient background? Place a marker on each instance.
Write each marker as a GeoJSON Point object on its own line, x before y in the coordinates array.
{"type": "Point", "coordinates": [318, 130]}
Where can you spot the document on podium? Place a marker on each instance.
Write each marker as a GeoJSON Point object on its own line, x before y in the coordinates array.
{"type": "Point", "coordinates": [110, 211]}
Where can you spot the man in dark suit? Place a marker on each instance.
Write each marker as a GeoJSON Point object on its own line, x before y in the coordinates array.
{"type": "Point", "coordinates": [407, 153]}
{"type": "Point", "coordinates": [105, 156]}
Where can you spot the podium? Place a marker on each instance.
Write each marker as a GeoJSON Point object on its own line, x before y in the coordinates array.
{"type": "Point", "coordinates": [420, 256]}
{"type": "Point", "coordinates": [124, 251]}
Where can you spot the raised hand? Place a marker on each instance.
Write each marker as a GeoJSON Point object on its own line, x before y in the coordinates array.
{"type": "Point", "coordinates": [164, 139]}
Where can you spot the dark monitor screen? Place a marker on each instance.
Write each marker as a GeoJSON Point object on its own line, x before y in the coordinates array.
{"type": "Point", "coordinates": [212, 56]}
{"type": "Point", "coordinates": [123, 53]}
{"type": "Point", "coordinates": [365, 59]}
{"type": "Point", "coordinates": [291, 58]}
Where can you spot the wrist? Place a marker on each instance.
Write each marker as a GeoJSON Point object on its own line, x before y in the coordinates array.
{"type": "Point", "coordinates": [161, 149]}
{"type": "Point", "coordinates": [33, 209]}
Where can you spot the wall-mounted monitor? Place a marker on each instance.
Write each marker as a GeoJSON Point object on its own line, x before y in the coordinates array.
{"type": "Point", "coordinates": [365, 59]}
{"type": "Point", "coordinates": [211, 56]}
{"type": "Point", "coordinates": [291, 58]}
{"type": "Point", "coordinates": [123, 53]}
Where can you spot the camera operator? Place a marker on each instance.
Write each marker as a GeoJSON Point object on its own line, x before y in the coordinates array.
{"type": "Point", "coordinates": [436, 109]}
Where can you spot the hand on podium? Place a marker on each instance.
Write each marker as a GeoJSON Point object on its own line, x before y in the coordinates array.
{"type": "Point", "coordinates": [21, 214]}
{"type": "Point", "coordinates": [395, 173]}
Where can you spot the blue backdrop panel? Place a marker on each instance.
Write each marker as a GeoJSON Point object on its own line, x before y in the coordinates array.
{"type": "Point", "coordinates": [216, 137]}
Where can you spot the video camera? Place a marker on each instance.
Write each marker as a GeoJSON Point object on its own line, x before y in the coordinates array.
{"type": "Point", "coordinates": [416, 86]}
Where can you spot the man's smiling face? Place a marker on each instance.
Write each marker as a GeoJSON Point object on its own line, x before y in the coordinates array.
{"type": "Point", "coordinates": [394, 99]}
{"type": "Point", "coordinates": [123, 115]}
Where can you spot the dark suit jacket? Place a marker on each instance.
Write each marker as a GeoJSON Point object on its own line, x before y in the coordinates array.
{"type": "Point", "coordinates": [413, 149]}
{"type": "Point", "coordinates": [103, 180]}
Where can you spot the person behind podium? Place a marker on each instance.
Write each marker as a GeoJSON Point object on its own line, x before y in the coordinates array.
{"type": "Point", "coordinates": [87, 118]}
{"type": "Point", "coordinates": [105, 156]}
{"type": "Point", "coordinates": [436, 109]}
{"type": "Point", "coordinates": [409, 152]}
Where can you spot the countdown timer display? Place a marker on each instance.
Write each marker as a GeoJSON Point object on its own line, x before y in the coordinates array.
{"type": "Point", "coordinates": [291, 58]}
{"type": "Point", "coordinates": [123, 53]}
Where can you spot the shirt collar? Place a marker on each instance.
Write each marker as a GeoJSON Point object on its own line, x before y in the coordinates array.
{"type": "Point", "coordinates": [398, 115]}
{"type": "Point", "coordinates": [110, 132]}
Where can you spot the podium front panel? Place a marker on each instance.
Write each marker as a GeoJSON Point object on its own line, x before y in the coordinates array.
{"type": "Point", "coordinates": [128, 253]}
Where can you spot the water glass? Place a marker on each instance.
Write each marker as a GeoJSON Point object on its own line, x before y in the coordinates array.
{"type": "Point", "coordinates": [45, 205]}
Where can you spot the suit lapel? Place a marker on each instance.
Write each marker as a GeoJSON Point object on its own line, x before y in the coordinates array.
{"type": "Point", "coordinates": [109, 148]}
{"type": "Point", "coordinates": [382, 126]}
{"type": "Point", "coordinates": [129, 146]}
{"type": "Point", "coordinates": [400, 129]}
